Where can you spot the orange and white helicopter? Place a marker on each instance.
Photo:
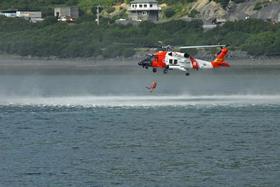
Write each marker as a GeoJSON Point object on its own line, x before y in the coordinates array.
{"type": "Point", "coordinates": [168, 59]}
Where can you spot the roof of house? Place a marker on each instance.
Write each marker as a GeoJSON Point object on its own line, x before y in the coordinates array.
{"type": "Point", "coordinates": [62, 6]}
{"type": "Point", "coordinates": [8, 11]}
{"type": "Point", "coordinates": [143, 1]}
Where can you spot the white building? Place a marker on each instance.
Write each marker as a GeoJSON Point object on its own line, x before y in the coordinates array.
{"type": "Point", "coordinates": [144, 10]}
{"type": "Point", "coordinates": [33, 16]}
{"type": "Point", "coordinates": [66, 12]}
{"type": "Point", "coordinates": [9, 13]}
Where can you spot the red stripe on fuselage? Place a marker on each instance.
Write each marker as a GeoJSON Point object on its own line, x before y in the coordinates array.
{"type": "Point", "coordinates": [195, 64]}
{"type": "Point", "coordinates": [158, 60]}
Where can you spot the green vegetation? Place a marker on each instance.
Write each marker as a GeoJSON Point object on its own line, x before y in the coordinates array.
{"type": "Point", "coordinates": [86, 39]}
{"type": "Point", "coordinates": [193, 13]}
{"type": "Point", "coordinates": [260, 5]}
{"type": "Point", "coordinates": [254, 36]}
{"type": "Point", "coordinates": [225, 3]}
{"type": "Point", "coordinates": [169, 12]}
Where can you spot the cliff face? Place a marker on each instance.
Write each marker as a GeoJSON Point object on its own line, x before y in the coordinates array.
{"type": "Point", "coordinates": [271, 11]}
{"type": "Point", "coordinates": [261, 9]}
{"type": "Point", "coordinates": [209, 10]}
{"type": "Point", "coordinates": [255, 9]}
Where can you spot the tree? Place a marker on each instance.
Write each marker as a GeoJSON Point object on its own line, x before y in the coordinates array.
{"type": "Point", "coordinates": [169, 12]}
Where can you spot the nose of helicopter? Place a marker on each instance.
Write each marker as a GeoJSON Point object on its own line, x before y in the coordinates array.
{"type": "Point", "coordinates": [144, 63]}
{"type": "Point", "coordinates": [140, 63]}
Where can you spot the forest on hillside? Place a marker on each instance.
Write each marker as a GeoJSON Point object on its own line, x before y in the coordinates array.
{"type": "Point", "coordinates": [108, 40]}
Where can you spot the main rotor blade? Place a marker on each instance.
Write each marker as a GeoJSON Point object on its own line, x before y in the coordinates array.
{"type": "Point", "coordinates": [201, 46]}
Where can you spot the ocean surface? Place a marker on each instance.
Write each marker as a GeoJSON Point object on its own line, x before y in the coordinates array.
{"type": "Point", "coordinates": [87, 127]}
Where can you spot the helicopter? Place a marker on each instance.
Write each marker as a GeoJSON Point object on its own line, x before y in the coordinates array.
{"type": "Point", "coordinates": [167, 59]}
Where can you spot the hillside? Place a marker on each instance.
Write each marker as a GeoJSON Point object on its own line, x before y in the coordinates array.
{"type": "Point", "coordinates": [171, 9]}
{"type": "Point", "coordinates": [208, 10]}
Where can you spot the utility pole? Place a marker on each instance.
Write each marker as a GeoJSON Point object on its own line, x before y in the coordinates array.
{"type": "Point", "coordinates": [97, 14]}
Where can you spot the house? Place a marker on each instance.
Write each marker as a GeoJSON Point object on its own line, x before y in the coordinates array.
{"type": "Point", "coordinates": [8, 13]}
{"type": "Point", "coordinates": [144, 10]}
{"type": "Point", "coordinates": [66, 13]}
{"type": "Point", "coordinates": [33, 16]}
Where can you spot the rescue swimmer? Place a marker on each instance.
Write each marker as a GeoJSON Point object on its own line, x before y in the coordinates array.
{"type": "Point", "coordinates": [153, 86]}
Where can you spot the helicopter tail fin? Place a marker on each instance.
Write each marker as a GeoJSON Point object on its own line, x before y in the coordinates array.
{"type": "Point", "coordinates": [220, 59]}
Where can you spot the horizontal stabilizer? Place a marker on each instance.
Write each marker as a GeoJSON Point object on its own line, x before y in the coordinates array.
{"type": "Point", "coordinates": [220, 64]}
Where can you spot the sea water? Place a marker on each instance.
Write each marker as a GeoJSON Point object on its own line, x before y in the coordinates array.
{"type": "Point", "coordinates": [103, 128]}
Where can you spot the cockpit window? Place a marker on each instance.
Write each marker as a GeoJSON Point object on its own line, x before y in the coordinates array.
{"type": "Point", "coordinates": [149, 58]}
{"type": "Point", "coordinates": [170, 61]}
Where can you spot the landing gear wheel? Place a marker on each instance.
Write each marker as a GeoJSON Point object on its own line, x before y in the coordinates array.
{"type": "Point", "coordinates": [154, 70]}
{"type": "Point", "coordinates": [165, 71]}
{"type": "Point", "coordinates": [187, 74]}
